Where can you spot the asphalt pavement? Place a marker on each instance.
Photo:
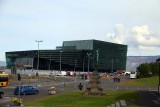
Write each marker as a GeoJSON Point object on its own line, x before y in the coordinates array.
{"type": "Point", "coordinates": [146, 99]}
{"type": "Point", "coordinates": [148, 96]}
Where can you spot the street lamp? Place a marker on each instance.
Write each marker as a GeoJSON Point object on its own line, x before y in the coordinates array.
{"type": "Point", "coordinates": [38, 60]}
{"type": "Point", "coordinates": [75, 73]}
{"type": "Point", "coordinates": [75, 62]}
{"type": "Point", "coordinates": [112, 61]}
{"type": "Point", "coordinates": [83, 64]}
{"type": "Point", "coordinates": [88, 54]}
{"type": "Point", "coordinates": [84, 76]}
{"type": "Point", "coordinates": [60, 61]}
{"type": "Point", "coordinates": [112, 66]}
{"type": "Point", "coordinates": [50, 64]}
{"type": "Point", "coordinates": [38, 56]}
{"type": "Point", "coordinates": [158, 61]}
{"type": "Point", "coordinates": [33, 60]}
{"type": "Point", "coordinates": [38, 53]}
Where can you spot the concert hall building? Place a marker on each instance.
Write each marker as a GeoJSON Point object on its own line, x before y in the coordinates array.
{"type": "Point", "coordinates": [79, 55]}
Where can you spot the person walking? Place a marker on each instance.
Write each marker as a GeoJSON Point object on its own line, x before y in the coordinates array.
{"type": "Point", "coordinates": [80, 86]}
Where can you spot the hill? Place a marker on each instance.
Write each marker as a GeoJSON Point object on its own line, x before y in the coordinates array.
{"type": "Point", "coordinates": [2, 63]}
{"type": "Point", "coordinates": [134, 61]}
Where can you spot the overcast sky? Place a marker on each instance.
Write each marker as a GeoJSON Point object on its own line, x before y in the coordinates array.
{"type": "Point", "coordinates": [135, 23]}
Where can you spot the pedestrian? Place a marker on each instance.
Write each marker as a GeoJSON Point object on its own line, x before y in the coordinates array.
{"type": "Point", "coordinates": [37, 74]}
{"type": "Point", "coordinates": [118, 79]}
{"type": "Point", "coordinates": [64, 85]}
{"type": "Point", "coordinates": [80, 86]}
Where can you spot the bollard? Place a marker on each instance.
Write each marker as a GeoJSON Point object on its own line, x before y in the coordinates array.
{"type": "Point", "coordinates": [126, 88]}
{"type": "Point", "coordinates": [117, 88]}
{"type": "Point", "coordinates": [64, 85]}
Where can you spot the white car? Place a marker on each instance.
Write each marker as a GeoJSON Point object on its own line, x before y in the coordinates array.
{"type": "Point", "coordinates": [127, 73]}
{"type": "Point", "coordinates": [62, 73]}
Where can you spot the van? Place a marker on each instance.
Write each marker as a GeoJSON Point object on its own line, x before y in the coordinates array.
{"type": "Point", "coordinates": [133, 74]}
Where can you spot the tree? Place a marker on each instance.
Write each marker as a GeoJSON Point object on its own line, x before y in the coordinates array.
{"type": "Point", "coordinates": [144, 70]}
{"type": "Point", "coordinates": [154, 68]}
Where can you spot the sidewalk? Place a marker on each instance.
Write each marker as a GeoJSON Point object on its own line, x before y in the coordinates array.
{"type": "Point", "coordinates": [146, 99]}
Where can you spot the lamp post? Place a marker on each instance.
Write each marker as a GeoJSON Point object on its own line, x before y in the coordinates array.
{"type": "Point", "coordinates": [38, 54]}
{"type": "Point", "coordinates": [33, 61]}
{"type": "Point", "coordinates": [50, 64]}
{"type": "Point", "coordinates": [112, 66]}
{"type": "Point", "coordinates": [112, 61]}
{"type": "Point", "coordinates": [75, 62]}
{"type": "Point", "coordinates": [88, 54]}
{"type": "Point", "coordinates": [84, 76]}
{"type": "Point", "coordinates": [60, 61]}
{"type": "Point", "coordinates": [75, 73]}
{"type": "Point", "coordinates": [38, 58]}
{"type": "Point", "coordinates": [83, 64]}
{"type": "Point", "coordinates": [158, 61]}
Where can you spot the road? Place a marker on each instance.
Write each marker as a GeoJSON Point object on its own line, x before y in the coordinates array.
{"type": "Point", "coordinates": [71, 83]}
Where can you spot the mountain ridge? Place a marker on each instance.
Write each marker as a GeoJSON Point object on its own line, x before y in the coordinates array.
{"type": "Point", "coordinates": [2, 63]}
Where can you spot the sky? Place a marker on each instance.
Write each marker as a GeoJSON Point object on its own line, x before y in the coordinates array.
{"type": "Point", "coordinates": [131, 22]}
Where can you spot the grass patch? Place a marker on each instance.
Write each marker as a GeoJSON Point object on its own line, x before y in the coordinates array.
{"type": "Point", "coordinates": [151, 81]}
{"type": "Point", "coordinates": [76, 99]}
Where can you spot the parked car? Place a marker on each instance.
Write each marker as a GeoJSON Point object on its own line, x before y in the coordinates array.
{"type": "Point", "coordinates": [70, 73]}
{"type": "Point", "coordinates": [24, 90]}
{"type": "Point", "coordinates": [1, 94]}
{"type": "Point", "coordinates": [127, 73]}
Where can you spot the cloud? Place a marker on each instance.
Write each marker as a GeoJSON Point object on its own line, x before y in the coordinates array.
{"type": "Point", "coordinates": [139, 37]}
{"type": "Point", "coordinates": [55, 21]}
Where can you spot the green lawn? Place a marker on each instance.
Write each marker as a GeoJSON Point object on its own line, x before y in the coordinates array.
{"type": "Point", "coordinates": [77, 99]}
{"type": "Point", "coordinates": [151, 81]}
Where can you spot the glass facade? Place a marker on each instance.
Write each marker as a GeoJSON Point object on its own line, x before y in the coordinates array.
{"type": "Point", "coordinates": [73, 56]}
{"type": "Point", "coordinates": [80, 45]}
{"type": "Point", "coordinates": [111, 56]}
